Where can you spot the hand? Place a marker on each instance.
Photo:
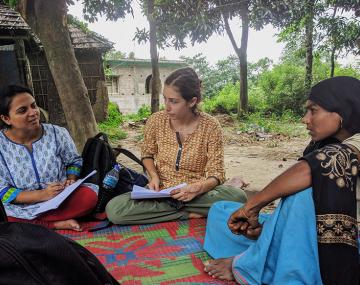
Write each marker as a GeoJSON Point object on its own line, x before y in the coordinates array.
{"type": "Point", "coordinates": [245, 223]}
{"type": "Point", "coordinates": [68, 182]}
{"type": "Point", "coordinates": [188, 192]}
{"type": "Point", "coordinates": [154, 183]}
{"type": "Point", "coordinates": [51, 191]}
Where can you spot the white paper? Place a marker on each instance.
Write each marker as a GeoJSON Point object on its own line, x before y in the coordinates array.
{"type": "Point", "coordinates": [139, 192]}
{"type": "Point", "coordinates": [58, 199]}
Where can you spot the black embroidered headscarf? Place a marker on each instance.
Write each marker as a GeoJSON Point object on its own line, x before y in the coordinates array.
{"type": "Point", "coordinates": [341, 95]}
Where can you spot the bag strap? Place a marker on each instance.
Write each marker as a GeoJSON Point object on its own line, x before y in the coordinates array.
{"type": "Point", "coordinates": [130, 155]}
{"type": "Point", "coordinates": [103, 135]}
{"type": "Point", "coordinates": [3, 216]}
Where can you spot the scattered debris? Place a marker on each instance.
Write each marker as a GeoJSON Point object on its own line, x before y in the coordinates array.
{"type": "Point", "coordinates": [237, 181]}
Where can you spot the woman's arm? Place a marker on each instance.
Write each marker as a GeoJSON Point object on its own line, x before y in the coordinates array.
{"type": "Point", "coordinates": [149, 150]}
{"type": "Point", "coordinates": [192, 190]}
{"type": "Point", "coordinates": [68, 154]}
{"type": "Point", "coordinates": [154, 181]}
{"type": "Point", "coordinates": [35, 196]}
{"type": "Point", "coordinates": [295, 179]}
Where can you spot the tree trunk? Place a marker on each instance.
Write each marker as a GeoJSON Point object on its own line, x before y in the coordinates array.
{"type": "Point", "coordinates": [332, 59]}
{"type": "Point", "coordinates": [155, 79]}
{"type": "Point", "coordinates": [333, 50]}
{"type": "Point", "coordinates": [242, 55]}
{"type": "Point", "coordinates": [48, 20]}
{"type": "Point", "coordinates": [243, 107]}
{"type": "Point", "coordinates": [309, 30]}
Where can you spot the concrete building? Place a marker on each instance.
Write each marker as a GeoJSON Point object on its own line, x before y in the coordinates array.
{"type": "Point", "coordinates": [129, 82]}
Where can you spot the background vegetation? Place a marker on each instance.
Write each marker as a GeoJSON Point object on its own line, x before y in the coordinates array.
{"type": "Point", "coordinates": [276, 91]}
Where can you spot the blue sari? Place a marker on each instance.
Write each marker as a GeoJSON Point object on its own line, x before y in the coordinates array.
{"type": "Point", "coordinates": [286, 251]}
{"type": "Point", "coordinates": [311, 238]}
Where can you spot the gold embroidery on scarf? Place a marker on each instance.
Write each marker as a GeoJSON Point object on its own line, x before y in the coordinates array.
{"type": "Point", "coordinates": [338, 165]}
{"type": "Point", "coordinates": [337, 228]}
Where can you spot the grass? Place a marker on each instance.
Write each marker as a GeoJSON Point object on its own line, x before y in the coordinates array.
{"type": "Point", "coordinates": [287, 124]}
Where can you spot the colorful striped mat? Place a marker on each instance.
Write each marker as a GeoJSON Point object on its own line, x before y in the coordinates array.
{"type": "Point", "coordinates": [164, 253]}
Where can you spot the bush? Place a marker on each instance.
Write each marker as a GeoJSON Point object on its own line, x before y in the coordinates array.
{"type": "Point", "coordinates": [226, 101]}
{"type": "Point", "coordinates": [283, 89]}
{"type": "Point", "coordinates": [112, 125]}
{"type": "Point", "coordinates": [143, 113]}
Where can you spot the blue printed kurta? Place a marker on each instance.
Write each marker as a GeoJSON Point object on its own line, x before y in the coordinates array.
{"type": "Point", "coordinates": [52, 158]}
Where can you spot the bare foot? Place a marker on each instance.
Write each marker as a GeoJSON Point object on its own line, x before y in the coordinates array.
{"type": "Point", "coordinates": [68, 225]}
{"type": "Point", "coordinates": [195, 216]}
{"type": "Point", "coordinates": [220, 268]}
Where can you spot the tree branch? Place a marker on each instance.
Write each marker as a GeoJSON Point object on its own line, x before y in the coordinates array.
{"type": "Point", "coordinates": [229, 32]}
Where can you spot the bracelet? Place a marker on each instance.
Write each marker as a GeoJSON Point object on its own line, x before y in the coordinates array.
{"type": "Point", "coordinates": [247, 217]}
{"type": "Point", "coordinates": [243, 213]}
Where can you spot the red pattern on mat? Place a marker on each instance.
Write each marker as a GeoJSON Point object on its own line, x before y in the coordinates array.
{"type": "Point", "coordinates": [164, 253]}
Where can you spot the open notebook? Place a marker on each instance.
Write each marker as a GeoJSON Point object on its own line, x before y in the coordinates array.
{"type": "Point", "coordinates": [144, 193]}
{"type": "Point", "coordinates": [58, 199]}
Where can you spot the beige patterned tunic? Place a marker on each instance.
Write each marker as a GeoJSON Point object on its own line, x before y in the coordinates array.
{"type": "Point", "coordinates": [355, 141]}
{"type": "Point", "coordinates": [199, 157]}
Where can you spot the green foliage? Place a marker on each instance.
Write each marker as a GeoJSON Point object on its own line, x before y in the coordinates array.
{"type": "Point", "coordinates": [11, 3]}
{"type": "Point", "coordinates": [275, 91]}
{"type": "Point", "coordinates": [226, 71]}
{"type": "Point", "coordinates": [226, 101]}
{"type": "Point", "coordinates": [112, 9]}
{"type": "Point", "coordinates": [143, 113]}
{"type": "Point", "coordinates": [283, 88]}
{"type": "Point", "coordinates": [114, 55]}
{"type": "Point", "coordinates": [78, 23]}
{"type": "Point", "coordinates": [288, 124]}
{"type": "Point", "coordinates": [112, 125]}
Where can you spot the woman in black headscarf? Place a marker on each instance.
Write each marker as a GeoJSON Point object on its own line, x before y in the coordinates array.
{"type": "Point", "coordinates": [330, 168]}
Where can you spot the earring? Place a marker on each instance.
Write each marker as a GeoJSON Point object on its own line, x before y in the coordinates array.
{"type": "Point", "coordinates": [341, 123]}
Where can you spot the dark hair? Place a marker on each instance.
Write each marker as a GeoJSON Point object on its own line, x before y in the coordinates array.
{"type": "Point", "coordinates": [188, 84]}
{"type": "Point", "coordinates": [8, 93]}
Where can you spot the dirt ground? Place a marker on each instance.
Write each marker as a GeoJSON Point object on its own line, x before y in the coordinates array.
{"type": "Point", "coordinates": [256, 158]}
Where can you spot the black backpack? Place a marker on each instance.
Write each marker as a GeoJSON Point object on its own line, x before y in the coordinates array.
{"type": "Point", "coordinates": [98, 154]}
{"type": "Point", "coordinates": [33, 255]}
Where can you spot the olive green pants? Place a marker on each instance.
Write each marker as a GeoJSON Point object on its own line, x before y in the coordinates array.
{"type": "Point", "coordinates": [125, 211]}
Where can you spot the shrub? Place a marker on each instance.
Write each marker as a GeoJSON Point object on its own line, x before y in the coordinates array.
{"type": "Point", "coordinates": [226, 101]}
{"type": "Point", "coordinates": [112, 125]}
{"type": "Point", "coordinates": [143, 113]}
{"type": "Point", "coordinates": [283, 89]}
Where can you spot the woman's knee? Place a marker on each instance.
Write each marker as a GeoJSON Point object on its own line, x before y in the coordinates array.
{"type": "Point", "coordinates": [116, 209]}
{"type": "Point", "coordinates": [231, 193]}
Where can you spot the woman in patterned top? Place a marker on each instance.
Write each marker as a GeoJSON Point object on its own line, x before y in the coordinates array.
{"type": "Point", "coordinates": [37, 161]}
{"type": "Point", "coordinates": [311, 238]}
{"type": "Point", "coordinates": [181, 144]}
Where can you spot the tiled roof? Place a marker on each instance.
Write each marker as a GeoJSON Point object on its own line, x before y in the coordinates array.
{"type": "Point", "coordinates": [10, 20]}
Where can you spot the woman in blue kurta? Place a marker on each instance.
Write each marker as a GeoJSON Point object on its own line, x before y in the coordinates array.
{"type": "Point", "coordinates": [311, 238]}
{"type": "Point", "coordinates": [37, 161]}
